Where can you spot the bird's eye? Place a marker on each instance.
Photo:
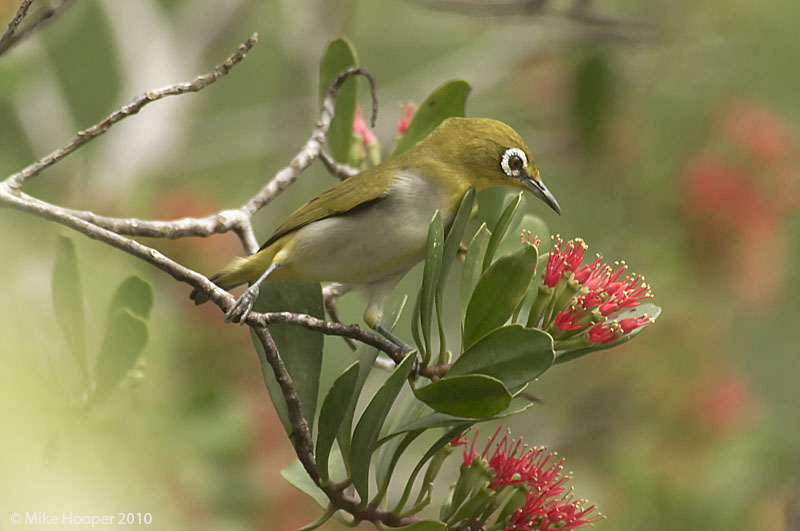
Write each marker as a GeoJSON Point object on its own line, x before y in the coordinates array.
{"type": "Point", "coordinates": [513, 162]}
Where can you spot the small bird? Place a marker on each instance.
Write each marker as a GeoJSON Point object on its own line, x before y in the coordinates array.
{"type": "Point", "coordinates": [370, 229]}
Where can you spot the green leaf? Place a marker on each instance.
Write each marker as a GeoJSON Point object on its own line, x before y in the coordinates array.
{"type": "Point", "coordinates": [447, 100]}
{"type": "Point", "coordinates": [297, 476]}
{"type": "Point", "coordinates": [68, 302]}
{"type": "Point", "coordinates": [430, 278]}
{"type": "Point", "coordinates": [426, 525]}
{"type": "Point", "coordinates": [498, 292]}
{"type": "Point", "coordinates": [451, 243]}
{"type": "Point", "coordinates": [442, 420]}
{"type": "Point", "coordinates": [134, 294]}
{"type": "Point", "coordinates": [385, 469]}
{"type": "Point", "coordinates": [125, 338]}
{"type": "Point", "coordinates": [339, 56]}
{"type": "Point", "coordinates": [365, 436]}
{"type": "Point", "coordinates": [500, 229]}
{"type": "Point", "coordinates": [591, 99]}
{"type": "Point", "coordinates": [440, 443]}
{"type": "Point", "coordinates": [366, 358]}
{"type": "Point", "coordinates": [333, 412]}
{"type": "Point", "coordinates": [512, 354]}
{"type": "Point", "coordinates": [471, 395]}
{"type": "Point", "coordinates": [471, 271]}
{"type": "Point", "coordinates": [407, 409]}
{"type": "Point", "coordinates": [300, 348]}
{"type": "Point", "coordinates": [646, 308]}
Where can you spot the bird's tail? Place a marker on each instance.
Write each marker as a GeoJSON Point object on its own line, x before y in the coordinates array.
{"type": "Point", "coordinates": [234, 274]}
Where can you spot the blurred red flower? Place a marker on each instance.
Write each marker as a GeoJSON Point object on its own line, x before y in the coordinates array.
{"type": "Point", "coordinates": [739, 189]}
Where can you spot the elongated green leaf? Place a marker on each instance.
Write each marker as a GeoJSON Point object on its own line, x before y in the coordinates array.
{"type": "Point", "coordinates": [512, 354]}
{"type": "Point", "coordinates": [406, 410]}
{"type": "Point", "coordinates": [471, 395]}
{"type": "Point", "coordinates": [451, 243]}
{"type": "Point", "coordinates": [385, 469]}
{"type": "Point", "coordinates": [430, 278]}
{"type": "Point", "coordinates": [500, 229]}
{"type": "Point", "coordinates": [126, 336]}
{"type": "Point", "coordinates": [366, 356]}
{"type": "Point", "coordinates": [297, 476]}
{"type": "Point", "coordinates": [440, 443]}
{"type": "Point", "coordinates": [135, 294]}
{"type": "Point", "coordinates": [300, 348]}
{"type": "Point", "coordinates": [647, 308]}
{"type": "Point", "coordinates": [333, 412]}
{"type": "Point", "coordinates": [447, 100]}
{"type": "Point", "coordinates": [339, 56]}
{"type": "Point", "coordinates": [434, 419]}
{"type": "Point", "coordinates": [68, 302]}
{"type": "Point", "coordinates": [498, 292]}
{"type": "Point", "coordinates": [471, 271]}
{"type": "Point", "coordinates": [365, 436]}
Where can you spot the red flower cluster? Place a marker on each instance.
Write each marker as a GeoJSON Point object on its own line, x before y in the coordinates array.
{"type": "Point", "coordinates": [548, 505]}
{"type": "Point", "coordinates": [739, 190]}
{"type": "Point", "coordinates": [600, 292]}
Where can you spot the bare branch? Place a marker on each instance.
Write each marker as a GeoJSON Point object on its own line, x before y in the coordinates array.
{"type": "Point", "coordinates": [337, 169]}
{"type": "Point", "coordinates": [12, 26]}
{"type": "Point", "coordinates": [12, 36]}
{"type": "Point", "coordinates": [313, 147]}
{"type": "Point", "coordinates": [337, 329]}
{"type": "Point", "coordinates": [195, 85]}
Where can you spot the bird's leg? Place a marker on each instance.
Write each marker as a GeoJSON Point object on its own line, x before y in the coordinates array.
{"type": "Point", "coordinates": [382, 330]}
{"type": "Point", "coordinates": [241, 308]}
{"type": "Point", "coordinates": [330, 294]}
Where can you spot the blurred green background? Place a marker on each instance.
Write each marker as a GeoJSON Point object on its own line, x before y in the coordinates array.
{"type": "Point", "coordinates": [670, 138]}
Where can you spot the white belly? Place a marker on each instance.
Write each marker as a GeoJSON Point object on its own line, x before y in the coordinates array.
{"type": "Point", "coordinates": [362, 247]}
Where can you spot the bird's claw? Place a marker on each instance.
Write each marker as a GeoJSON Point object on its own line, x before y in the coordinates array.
{"type": "Point", "coordinates": [242, 307]}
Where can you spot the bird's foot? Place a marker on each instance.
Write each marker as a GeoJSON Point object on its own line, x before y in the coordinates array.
{"type": "Point", "coordinates": [243, 305]}
{"type": "Point", "coordinates": [405, 347]}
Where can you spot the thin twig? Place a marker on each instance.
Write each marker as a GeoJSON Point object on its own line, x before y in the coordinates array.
{"type": "Point", "coordinates": [195, 85]}
{"type": "Point", "coordinates": [337, 329]}
{"type": "Point", "coordinates": [337, 169]}
{"type": "Point", "coordinates": [15, 22]}
{"type": "Point", "coordinates": [12, 37]}
{"type": "Point", "coordinates": [313, 147]}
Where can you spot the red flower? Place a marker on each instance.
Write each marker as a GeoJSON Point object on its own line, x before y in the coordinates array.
{"type": "Point", "coordinates": [361, 130]}
{"type": "Point", "coordinates": [563, 258]}
{"type": "Point", "coordinates": [589, 297]}
{"type": "Point", "coordinates": [405, 119]}
{"type": "Point", "coordinates": [546, 505]}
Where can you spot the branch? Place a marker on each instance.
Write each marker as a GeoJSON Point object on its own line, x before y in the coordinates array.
{"type": "Point", "coordinates": [352, 331]}
{"type": "Point", "coordinates": [12, 26]}
{"type": "Point", "coordinates": [12, 36]}
{"type": "Point", "coordinates": [195, 85]}
{"type": "Point", "coordinates": [313, 147]}
{"type": "Point", "coordinates": [303, 443]}
{"type": "Point", "coordinates": [337, 169]}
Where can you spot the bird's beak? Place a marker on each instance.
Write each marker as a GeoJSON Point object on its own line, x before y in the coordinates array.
{"type": "Point", "coordinates": [540, 190]}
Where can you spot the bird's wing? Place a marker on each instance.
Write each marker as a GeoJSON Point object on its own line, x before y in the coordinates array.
{"type": "Point", "coordinates": [356, 192]}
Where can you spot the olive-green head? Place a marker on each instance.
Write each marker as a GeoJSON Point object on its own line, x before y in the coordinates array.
{"type": "Point", "coordinates": [487, 153]}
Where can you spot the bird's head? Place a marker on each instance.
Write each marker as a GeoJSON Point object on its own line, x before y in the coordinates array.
{"type": "Point", "coordinates": [488, 153]}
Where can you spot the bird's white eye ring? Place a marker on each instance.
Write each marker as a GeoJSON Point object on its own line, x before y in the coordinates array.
{"type": "Point", "coordinates": [513, 162]}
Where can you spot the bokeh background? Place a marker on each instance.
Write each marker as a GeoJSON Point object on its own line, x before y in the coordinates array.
{"type": "Point", "coordinates": [669, 132]}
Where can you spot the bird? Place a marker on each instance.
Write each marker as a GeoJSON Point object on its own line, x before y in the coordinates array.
{"type": "Point", "coordinates": [370, 229]}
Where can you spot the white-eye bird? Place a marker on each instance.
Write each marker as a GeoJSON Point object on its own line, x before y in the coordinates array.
{"type": "Point", "coordinates": [370, 229]}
